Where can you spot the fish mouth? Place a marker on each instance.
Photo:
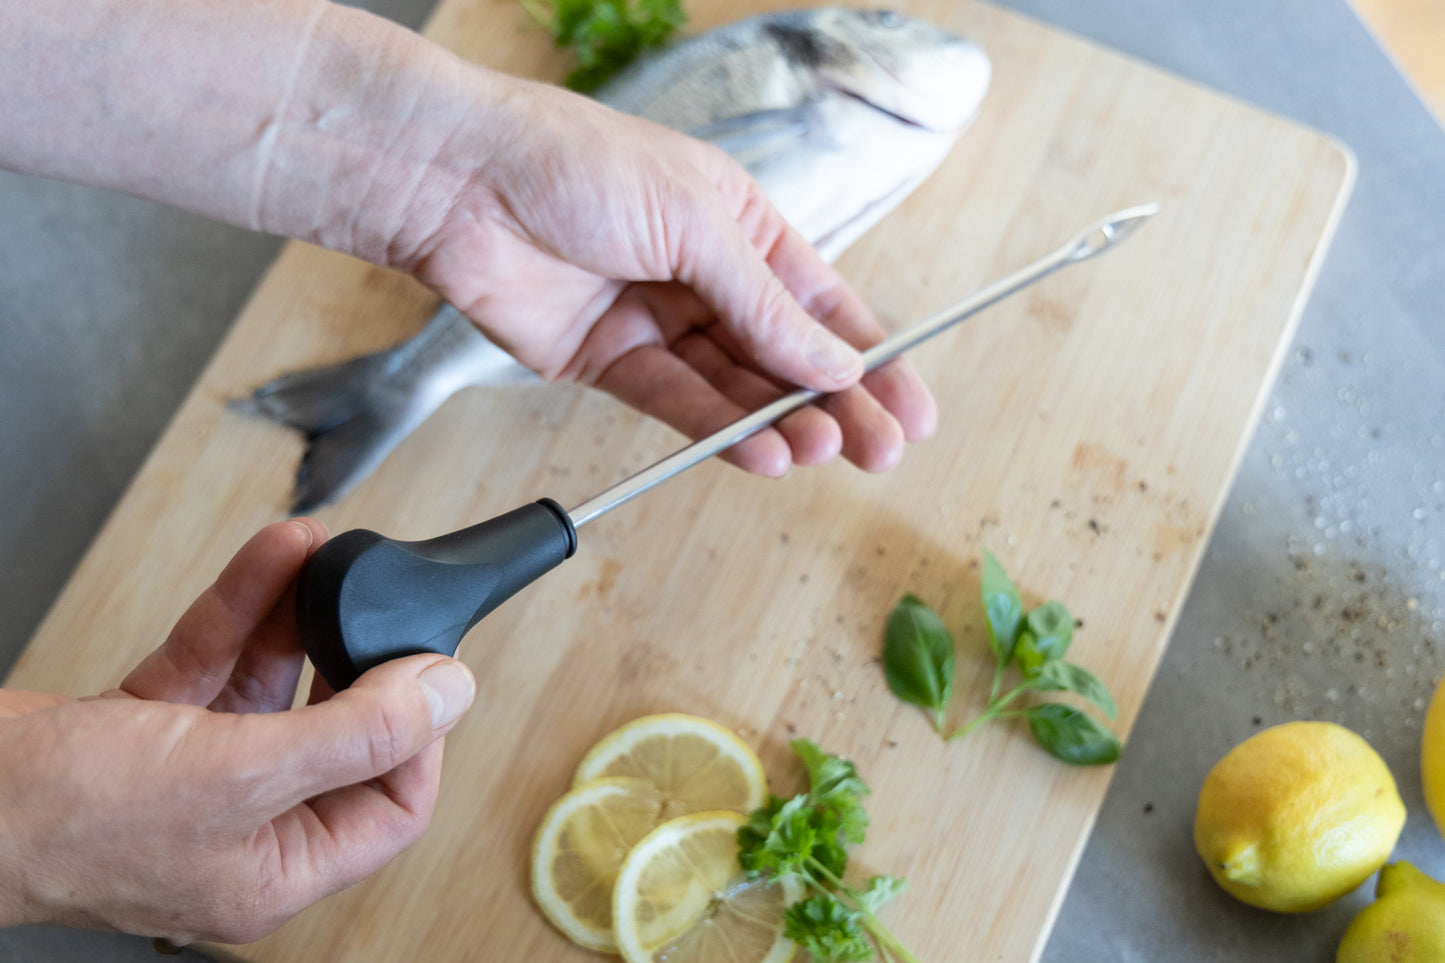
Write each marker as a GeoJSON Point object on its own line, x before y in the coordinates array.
{"type": "Point", "coordinates": [887, 66]}
{"type": "Point", "coordinates": [895, 115]}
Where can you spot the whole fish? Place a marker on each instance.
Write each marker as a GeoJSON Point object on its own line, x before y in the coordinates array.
{"type": "Point", "coordinates": [838, 114]}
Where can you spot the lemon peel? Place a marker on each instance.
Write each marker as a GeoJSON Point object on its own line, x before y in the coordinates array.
{"type": "Point", "coordinates": [1297, 816]}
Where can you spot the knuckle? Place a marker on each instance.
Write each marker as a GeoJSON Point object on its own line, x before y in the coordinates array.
{"type": "Point", "coordinates": [770, 311]}
{"type": "Point", "coordinates": [256, 907]}
{"type": "Point", "coordinates": [389, 737]}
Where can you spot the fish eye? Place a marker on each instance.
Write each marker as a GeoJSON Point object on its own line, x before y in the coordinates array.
{"type": "Point", "coordinates": [887, 18]}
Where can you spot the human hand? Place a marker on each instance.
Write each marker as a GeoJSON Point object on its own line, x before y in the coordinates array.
{"type": "Point", "coordinates": [601, 248]}
{"type": "Point", "coordinates": [594, 246]}
{"type": "Point", "coordinates": [192, 802]}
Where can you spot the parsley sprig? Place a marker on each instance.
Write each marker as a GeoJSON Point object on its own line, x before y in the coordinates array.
{"type": "Point", "coordinates": [605, 35]}
{"type": "Point", "coordinates": [806, 837]}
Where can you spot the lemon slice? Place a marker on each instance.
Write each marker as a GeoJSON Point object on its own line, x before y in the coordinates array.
{"type": "Point", "coordinates": [695, 763]}
{"type": "Point", "coordinates": [681, 897]}
{"type": "Point", "coordinates": [578, 849]}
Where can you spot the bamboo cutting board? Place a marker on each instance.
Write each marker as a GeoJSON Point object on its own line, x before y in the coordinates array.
{"type": "Point", "coordinates": [1090, 427]}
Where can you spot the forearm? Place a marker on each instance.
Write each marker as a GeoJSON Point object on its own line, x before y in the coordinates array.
{"type": "Point", "coordinates": [297, 117]}
{"type": "Point", "coordinates": [12, 897]}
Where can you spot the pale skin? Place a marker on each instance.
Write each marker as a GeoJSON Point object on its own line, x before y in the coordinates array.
{"type": "Point", "coordinates": [192, 802]}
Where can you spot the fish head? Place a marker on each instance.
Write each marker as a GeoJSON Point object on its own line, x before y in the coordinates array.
{"type": "Point", "coordinates": [908, 67]}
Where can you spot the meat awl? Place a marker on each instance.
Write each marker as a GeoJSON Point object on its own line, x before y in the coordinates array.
{"type": "Point", "coordinates": [363, 599]}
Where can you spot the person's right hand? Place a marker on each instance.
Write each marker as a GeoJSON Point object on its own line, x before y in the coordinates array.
{"type": "Point", "coordinates": [193, 802]}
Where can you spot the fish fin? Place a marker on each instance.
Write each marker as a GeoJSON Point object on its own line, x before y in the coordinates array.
{"type": "Point", "coordinates": [353, 414]}
{"type": "Point", "coordinates": [752, 138]}
{"type": "Point", "coordinates": [315, 400]}
{"type": "Point", "coordinates": [336, 460]}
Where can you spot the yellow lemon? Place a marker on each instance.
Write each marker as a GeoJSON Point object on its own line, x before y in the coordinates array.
{"type": "Point", "coordinates": [578, 849]}
{"type": "Point", "coordinates": [1297, 816]}
{"type": "Point", "coordinates": [1405, 924]}
{"type": "Point", "coordinates": [695, 763]}
{"type": "Point", "coordinates": [682, 897]}
{"type": "Point", "coordinates": [1432, 757]}
{"type": "Point", "coordinates": [649, 771]}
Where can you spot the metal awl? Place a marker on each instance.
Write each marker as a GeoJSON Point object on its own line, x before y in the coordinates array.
{"type": "Point", "coordinates": [363, 599]}
{"type": "Point", "coordinates": [1090, 242]}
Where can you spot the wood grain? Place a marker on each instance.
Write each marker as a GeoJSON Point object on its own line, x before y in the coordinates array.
{"type": "Point", "coordinates": [1413, 32]}
{"type": "Point", "coordinates": [1090, 428]}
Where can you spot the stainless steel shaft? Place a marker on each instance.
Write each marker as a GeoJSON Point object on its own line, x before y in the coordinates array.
{"type": "Point", "coordinates": [1094, 239]}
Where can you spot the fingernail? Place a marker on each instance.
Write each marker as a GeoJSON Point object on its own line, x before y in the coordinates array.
{"type": "Point", "coordinates": [449, 689]}
{"type": "Point", "coordinates": [831, 355]}
{"type": "Point", "coordinates": [310, 535]}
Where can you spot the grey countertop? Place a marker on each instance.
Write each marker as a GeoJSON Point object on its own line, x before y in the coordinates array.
{"type": "Point", "coordinates": [1322, 592]}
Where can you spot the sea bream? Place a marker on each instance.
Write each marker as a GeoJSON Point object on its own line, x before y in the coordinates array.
{"type": "Point", "coordinates": [838, 114]}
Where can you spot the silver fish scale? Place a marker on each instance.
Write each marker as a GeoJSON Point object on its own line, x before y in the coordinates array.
{"type": "Point", "coordinates": [743, 73]}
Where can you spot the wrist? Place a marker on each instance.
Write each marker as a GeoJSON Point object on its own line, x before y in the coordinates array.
{"type": "Point", "coordinates": [15, 906]}
{"type": "Point", "coordinates": [377, 138]}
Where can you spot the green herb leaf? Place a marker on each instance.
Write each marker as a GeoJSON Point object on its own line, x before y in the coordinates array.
{"type": "Point", "coordinates": [880, 889]}
{"type": "Point", "coordinates": [1050, 629]}
{"type": "Point", "coordinates": [1070, 735]}
{"type": "Point", "coordinates": [605, 35]}
{"type": "Point", "coordinates": [1004, 608]}
{"type": "Point", "coordinates": [835, 791]}
{"type": "Point", "coordinates": [828, 775]}
{"type": "Point", "coordinates": [779, 838]}
{"type": "Point", "coordinates": [807, 837]}
{"type": "Point", "coordinates": [918, 657]}
{"type": "Point", "coordinates": [827, 929]}
{"type": "Point", "coordinates": [1066, 676]}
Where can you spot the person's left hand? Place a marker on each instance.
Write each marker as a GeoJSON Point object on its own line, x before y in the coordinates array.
{"type": "Point", "coordinates": [601, 248]}
{"type": "Point", "coordinates": [193, 802]}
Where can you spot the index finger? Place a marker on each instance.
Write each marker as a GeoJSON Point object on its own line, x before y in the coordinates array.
{"type": "Point", "coordinates": [196, 660]}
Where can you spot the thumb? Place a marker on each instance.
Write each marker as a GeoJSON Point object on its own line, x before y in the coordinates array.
{"type": "Point", "coordinates": [389, 715]}
{"type": "Point", "coordinates": [754, 280]}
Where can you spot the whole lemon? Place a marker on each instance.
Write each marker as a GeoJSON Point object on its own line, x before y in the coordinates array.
{"type": "Point", "coordinates": [1405, 924]}
{"type": "Point", "coordinates": [1432, 757]}
{"type": "Point", "coordinates": [1297, 816]}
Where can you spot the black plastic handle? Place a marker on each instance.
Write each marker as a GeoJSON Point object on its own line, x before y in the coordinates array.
{"type": "Point", "coordinates": [363, 599]}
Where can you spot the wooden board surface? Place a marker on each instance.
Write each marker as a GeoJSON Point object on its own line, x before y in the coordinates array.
{"type": "Point", "coordinates": [1090, 429]}
{"type": "Point", "coordinates": [1413, 32]}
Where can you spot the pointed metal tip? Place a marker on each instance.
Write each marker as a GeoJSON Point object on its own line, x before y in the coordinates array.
{"type": "Point", "coordinates": [1101, 236]}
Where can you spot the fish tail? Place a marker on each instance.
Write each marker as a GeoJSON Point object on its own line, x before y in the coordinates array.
{"type": "Point", "coordinates": [354, 413]}
{"type": "Point", "coordinates": [351, 414]}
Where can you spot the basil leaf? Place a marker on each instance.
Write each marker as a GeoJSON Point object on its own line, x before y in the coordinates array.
{"type": "Point", "coordinates": [1070, 735]}
{"type": "Point", "coordinates": [918, 656]}
{"type": "Point", "coordinates": [1004, 608]}
{"type": "Point", "coordinates": [1052, 624]}
{"type": "Point", "coordinates": [1059, 675]}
